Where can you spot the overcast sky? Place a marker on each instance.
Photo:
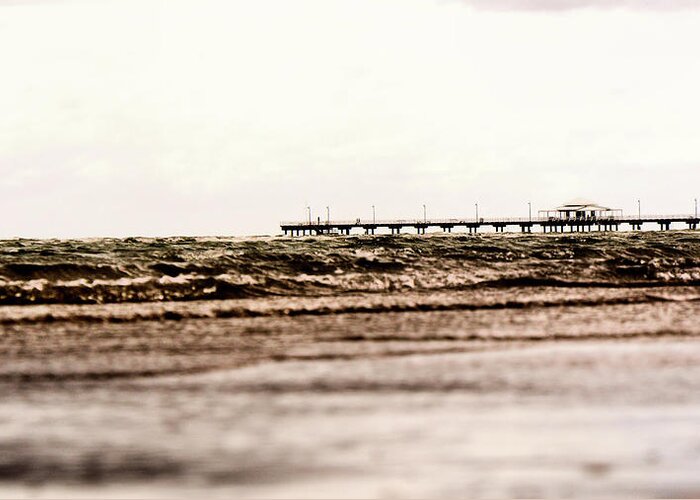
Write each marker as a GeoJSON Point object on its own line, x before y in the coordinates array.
{"type": "Point", "coordinates": [145, 117]}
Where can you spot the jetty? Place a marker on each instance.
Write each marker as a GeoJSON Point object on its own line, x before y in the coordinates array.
{"type": "Point", "coordinates": [576, 216]}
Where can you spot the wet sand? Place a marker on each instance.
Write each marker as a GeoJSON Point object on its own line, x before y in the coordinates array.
{"type": "Point", "coordinates": [565, 401]}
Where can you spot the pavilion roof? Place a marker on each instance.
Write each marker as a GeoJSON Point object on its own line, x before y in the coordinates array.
{"type": "Point", "coordinates": [581, 205]}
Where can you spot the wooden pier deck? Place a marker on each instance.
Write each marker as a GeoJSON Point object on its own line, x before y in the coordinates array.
{"type": "Point", "coordinates": [523, 224]}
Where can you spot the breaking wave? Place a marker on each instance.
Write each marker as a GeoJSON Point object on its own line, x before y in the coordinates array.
{"type": "Point", "coordinates": [136, 270]}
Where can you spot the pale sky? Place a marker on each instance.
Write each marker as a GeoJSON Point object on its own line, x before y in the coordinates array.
{"type": "Point", "coordinates": [202, 117]}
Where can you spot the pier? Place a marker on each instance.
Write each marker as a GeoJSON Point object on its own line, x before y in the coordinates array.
{"type": "Point", "coordinates": [576, 216]}
{"type": "Point", "coordinates": [473, 225]}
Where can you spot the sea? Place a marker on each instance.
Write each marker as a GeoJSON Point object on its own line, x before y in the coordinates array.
{"type": "Point", "coordinates": [463, 365]}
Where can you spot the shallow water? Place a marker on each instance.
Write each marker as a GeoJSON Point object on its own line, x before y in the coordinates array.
{"type": "Point", "coordinates": [488, 366]}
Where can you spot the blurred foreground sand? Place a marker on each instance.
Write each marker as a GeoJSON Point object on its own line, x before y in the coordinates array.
{"type": "Point", "coordinates": [457, 404]}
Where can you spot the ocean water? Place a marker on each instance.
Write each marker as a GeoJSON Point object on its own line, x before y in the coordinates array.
{"type": "Point", "coordinates": [139, 270]}
{"type": "Point", "coordinates": [363, 366]}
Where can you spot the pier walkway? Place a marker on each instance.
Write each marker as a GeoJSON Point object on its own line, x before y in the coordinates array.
{"type": "Point", "coordinates": [524, 224]}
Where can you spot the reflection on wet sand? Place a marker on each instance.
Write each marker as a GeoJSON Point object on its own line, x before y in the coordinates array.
{"type": "Point", "coordinates": [543, 402]}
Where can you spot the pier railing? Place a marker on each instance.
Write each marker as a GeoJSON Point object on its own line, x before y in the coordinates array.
{"type": "Point", "coordinates": [485, 221]}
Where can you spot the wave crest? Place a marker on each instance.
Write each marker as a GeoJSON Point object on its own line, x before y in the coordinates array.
{"type": "Point", "coordinates": [190, 269]}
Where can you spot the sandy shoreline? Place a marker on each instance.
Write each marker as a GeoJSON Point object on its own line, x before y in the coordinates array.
{"type": "Point", "coordinates": [548, 420]}
{"type": "Point", "coordinates": [258, 408]}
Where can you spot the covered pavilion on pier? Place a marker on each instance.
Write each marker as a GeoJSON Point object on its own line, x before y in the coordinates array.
{"type": "Point", "coordinates": [580, 209]}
